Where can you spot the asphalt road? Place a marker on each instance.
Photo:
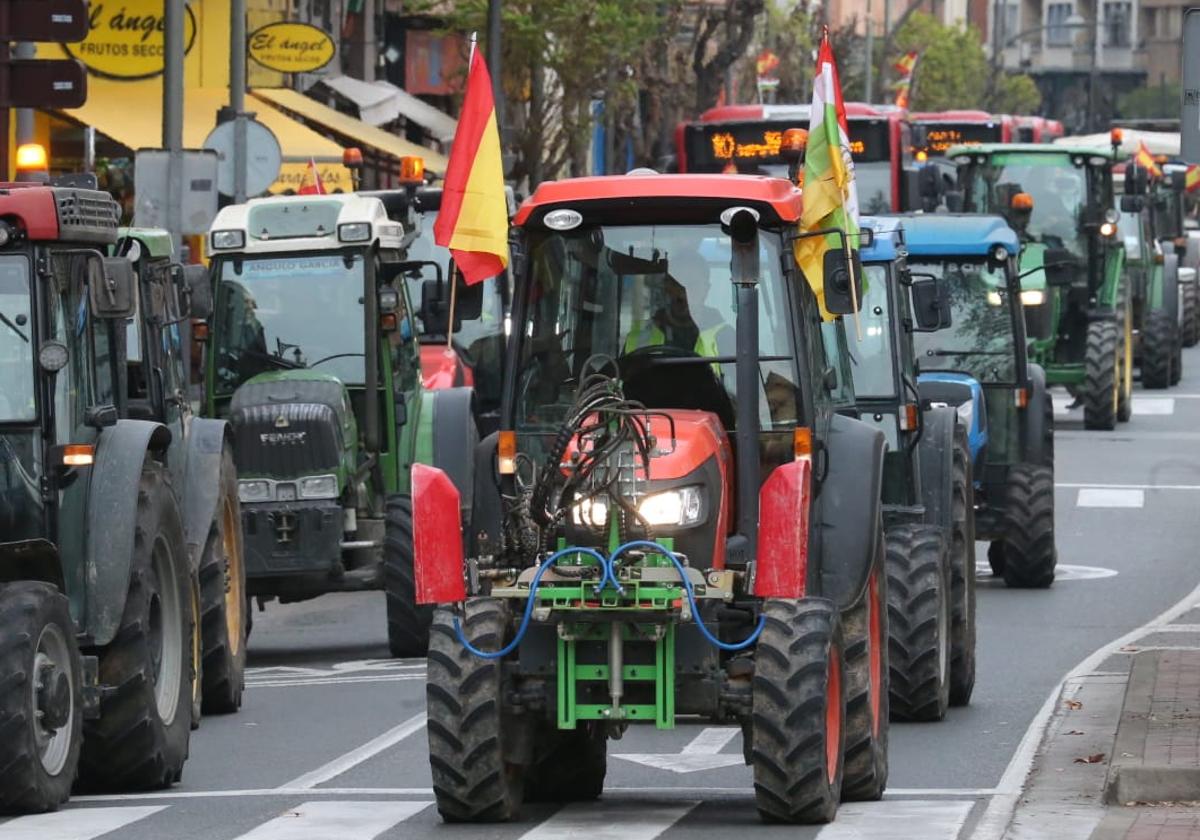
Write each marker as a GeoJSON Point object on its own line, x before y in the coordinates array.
{"type": "Point", "coordinates": [330, 743]}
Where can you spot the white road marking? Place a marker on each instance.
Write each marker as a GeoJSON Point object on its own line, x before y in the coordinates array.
{"type": "Point", "coordinates": [996, 817]}
{"type": "Point", "coordinates": [75, 823]}
{"type": "Point", "coordinates": [1062, 572]}
{"type": "Point", "coordinates": [1110, 497]}
{"type": "Point", "coordinates": [610, 821]}
{"type": "Point", "coordinates": [897, 821]}
{"type": "Point", "coordinates": [1153, 405]}
{"type": "Point", "coordinates": [351, 667]}
{"type": "Point", "coordinates": [1178, 628]}
{"type": "Point", "coordinates": [702, 753]}
{"type": "Point", "coordinates": [345, 820]}
{"type": "Point", "coordinates": [333, 681]}
{"type": "Point", "coordinates": [355, 757]}
{"type": "Point", "coordinates": [1074, 485]}
{"type": "Point", "coordinates": [1061, 403]}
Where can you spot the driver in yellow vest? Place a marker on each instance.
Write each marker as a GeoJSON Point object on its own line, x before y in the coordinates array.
{"type": "Point", "coordinates": [673, 324]}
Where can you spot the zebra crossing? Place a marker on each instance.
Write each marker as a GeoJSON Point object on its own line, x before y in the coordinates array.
{"type": "Point", "coordinates": [613, 818]}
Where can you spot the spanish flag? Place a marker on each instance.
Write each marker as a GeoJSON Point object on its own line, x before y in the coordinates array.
{"type": "Point", "coordinates": [1192, 178]}
{"type": "Point", "coordinates": [1144, 159]}
{"type": "Point", "coordinates": [473, 219]}
{"type": "Point", "coordinates": [312, 184]}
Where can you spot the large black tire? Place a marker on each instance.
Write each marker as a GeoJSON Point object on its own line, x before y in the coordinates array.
{"type": "Point", "coordinates": [995, 557]}
{"type": "Point", "coordinates": [140, 741]}
{"type": "Point", "coordinates": [864, 628]}
{"type": "Point", "coordinates": [571, 767]}
{"type": "Point", "coordinates": [40, 671]}
{"type": "Point", "coordinates": [1102, 381]}
{"type": "Point", "coordinates": [1189, 302]}
{"type": "Point", "coordinates": [223, 619]}
{"type": "Point", "coordinates": [962, 568]}
{"type": "Point", "coordinates": [1158, 349]}
{"type": "Point", "coordinates": [799, 704]}
{"type": "Point", "coordinates": [408, 621]}
{"type": "Point", "coordinates": [918, 622]}
{"type": "Point", "coordinates": [1029, 552]}
{"type": "Point", "coordinates": [471, 738]}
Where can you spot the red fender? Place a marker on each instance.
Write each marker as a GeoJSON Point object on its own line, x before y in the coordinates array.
{"type": "Point", "coordinates": [783, 502]}
{"type": "Point", "coordinates": [437, 537]}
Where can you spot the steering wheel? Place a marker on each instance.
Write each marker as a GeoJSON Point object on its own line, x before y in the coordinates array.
{"type": "Point", "coordinates": [635, 361]}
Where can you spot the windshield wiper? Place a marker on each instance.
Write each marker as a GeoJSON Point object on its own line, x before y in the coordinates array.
{"type": "Point", "coordinates": [13, 327]}
{"type": "Point", "coordinates": [940, 352]}
{"type": "Point", "coordinates": [277, 360]}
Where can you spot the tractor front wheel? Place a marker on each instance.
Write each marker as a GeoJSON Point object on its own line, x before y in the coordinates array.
{"type": "Point", "coordinates": [1028, 544]}
{"type": "Point", "coordinates": [223, 601]}
{"type": "Point", "coordinates": [919, 620]}
{"type": "Point", "coordinates": [962, 569]}
{"type": "Point", "coordinates": [865, 630]}
{"type": "Point", "coordinates": [1158, 350]}
{"type": "Point", "coordinates": [471, 738]}
{"type": "Point", "coordinates": [1102, 383]}
{"type": "Point", "coordinates": [408, 621]}
{"type": "Point", "coordinates": [1189, 302]}
{"type": "Point", "coordinates": [41, 705]}
{"type": "Point", "coordinates": [799, 704]}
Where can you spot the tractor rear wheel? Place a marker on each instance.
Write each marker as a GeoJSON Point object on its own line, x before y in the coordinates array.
{"type": "Point", "coordinates": [408, 621]}
{"type": "Point", "coordinates": [41, 700]}
{"type": "Point", "coordinates": [798, 708]}
{"type": "Point", "coordinates": [223, 600]}
{"type": "Point", "coordinates": [471, 738]}
{"type": "Point", "coordinates": [996, 557]}
{"type": "Point", "coordinates": [1102, 380]}
{"type": "Point", "coordinates": [1028, 545]}
{"type": "Point", "coordinates": [919, 622]}
{"type": "Point", "coordinates": [962, 569]}
{"type": "Point", "coordinates": [1158, 351]}
{"type": "Point", "coordinates": [864, 628]}
{"type": "Point", "coordinates": [140, 741]}
{"type": "Point", "coordinates": [572, 765]}
{"type": "Point", "coordinates": [1189, 302]}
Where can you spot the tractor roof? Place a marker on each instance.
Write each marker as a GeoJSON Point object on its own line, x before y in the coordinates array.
{"type": "Point", "coordinates": [156, 241]}
{"type": "Point", "coordinates": [776, 199]}
{"type": "Point", "coordinates": [955, 235]}
{"type": "Point", "coordinates": [887, 238]}
{"type": "Point", "coordinates": [287, 223]}
{"type": "Point", "coordinates": [1030, 148]}
{"type": "Point", "coordinates": [63, 214]}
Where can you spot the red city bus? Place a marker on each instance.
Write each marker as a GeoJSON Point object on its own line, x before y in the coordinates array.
{"type": "Point", "coordinates": [746, 138]}
{"type": "Point", "coordinates": [944, 129]}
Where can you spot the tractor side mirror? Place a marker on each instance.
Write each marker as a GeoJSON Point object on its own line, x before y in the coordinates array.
{"type": "Point", "coordinates": [839, 273]}
{"type": "Point", "coordinates": [1132, 203]}
{"type": "Point", "coordinates": [111, 287]}
{"type": "Point", "coordinates": [1059, 265]}
{"type": "Point", "coordinates": [1179, 181]}
{"type": "Point", "coordinates": [100, 416]}
{"type": "Point", "coordinates": [931, 303]}
{"type": "Point", "coordinates": [1136, 180]}
{"type": "Point", "coordinates": [198, 290]}
{"type": "Point", "coordinates": [929, 181]}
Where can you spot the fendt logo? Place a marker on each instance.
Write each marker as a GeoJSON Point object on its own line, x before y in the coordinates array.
{"type": "Point", "coordinates": [282, 438]}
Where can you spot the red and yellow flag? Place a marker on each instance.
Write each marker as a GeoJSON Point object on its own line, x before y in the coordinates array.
{"type": "Point", "coordinates": [1191, 178]}
{"type": "Point", "coordinates": [312, 184]}
{"type": "Point", "coordinates": [906, 63]}
{"type": "Point", "coordinates": [473, 219]}
{"type": "Point", "coordinates": [1144, 159]}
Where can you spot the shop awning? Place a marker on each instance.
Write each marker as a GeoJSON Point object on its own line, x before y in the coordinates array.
{"type": "Point", "coordinates": [131, 114]}
{"type": "Point", "coordinates": [350, 128]}
{"type": "Point", "coordinates": [381, 102]}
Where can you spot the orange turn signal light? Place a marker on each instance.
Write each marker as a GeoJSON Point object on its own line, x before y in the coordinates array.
{"type": "Point", "coordinates": [412, 170]}
{"type": "Point", "coordinates": [200, 331]}
{"type": "Point", "coordinates": [388, 322]}
{"type": "Point", "coordinates": [1022, 201]}
{"type": "Point", "coordinates": [802, 442]}
{"type": "Point", "coordinates": [1021, 395]}
{"type": "Point", "coordinates": [506, 452]}
{"type": "Point", "coordinates": [78, 455]}
{"type": "Point", "coordinates": [909, 417]}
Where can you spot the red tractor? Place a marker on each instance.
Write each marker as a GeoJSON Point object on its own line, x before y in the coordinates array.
{"type": "Point", "coordinates": [672, 518]}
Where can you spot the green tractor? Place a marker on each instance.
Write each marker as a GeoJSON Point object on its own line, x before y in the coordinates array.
{"type": "Point", "coordinates": [313, 358]}
{"type": "Point", "coordinates": [98, 645]}
{"type": "Point", "coordinates": [1079, 313]}
{"type": "Point", "coordinates": [1170, 212]}
{"type": "Point", "coordinates": [156, 349]}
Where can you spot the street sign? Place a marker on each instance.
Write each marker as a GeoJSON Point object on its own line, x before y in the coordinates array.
{"type": "Point", "coordinates": [33, 83]}
{"type": "Point", "coordinates": [263, 157]}
{"type": "Point", "coordinates": [1189, 122]}
{"type": "Point", "coordinates": [199, 189]}
{"type": "Point", "coordinates": [54, 21]}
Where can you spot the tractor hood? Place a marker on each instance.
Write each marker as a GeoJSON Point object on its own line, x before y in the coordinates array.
{"type": "Point", "coordinates": [289, 424]}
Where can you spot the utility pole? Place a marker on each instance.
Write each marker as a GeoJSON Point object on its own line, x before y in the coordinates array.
{"type": "Point", "coordinates": [887, 31]}
{"type": "Point", "coordinates": [1092, 73]}
{"type": "Point", "coordinates": [370, 52]}
{"type": "Point", "coordinates": [237, 95]}
{"type": "Point", "coordinates": [493, 57]}
{"type": "Point", "coordinates": [172, 126]}
{"type": "Point", "coordinates": [24, 49]}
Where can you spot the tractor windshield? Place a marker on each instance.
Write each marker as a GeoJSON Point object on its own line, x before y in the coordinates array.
{"type": "Point", "coordinates": [871, 357]}
{"type": "Point", "coordinates": [980, 340]}
{"type": "Point", "coordinates": [1059, 190]}
{"type": "Point", "coordinates": [650, 297]}
{"type": "Point", "coordinates": [16, 345]}
{"type": "Point", "coordinates": [277, 313]}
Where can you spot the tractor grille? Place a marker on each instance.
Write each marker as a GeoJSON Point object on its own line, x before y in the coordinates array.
{"type": "Point", "coordinates": [286, 441]}
{"type": "Point", "coordinates": [87, 215]}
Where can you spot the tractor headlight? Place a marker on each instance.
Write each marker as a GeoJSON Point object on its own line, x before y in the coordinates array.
{"type": "Point", "coordinates": [354, 232]}
{"type": "Point", "coordinates": [228, 239]}
{"type": "Point", "coordinates": [254, 491]}
{"type": "Point", "coordinates": [319, 487]}
{"type": "Point", "coordinates": [680, 507]}
{"type": "Point", "coordinates": [994, 299]}
{"type": "Point", "coordinates": [1033, 297]}
{"type": "Point", "coordinates": [590, 512]}
{"type": "Point", "coordinates": [966, 412]}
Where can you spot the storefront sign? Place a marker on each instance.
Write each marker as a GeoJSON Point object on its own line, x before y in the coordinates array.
{"type": "Point", "coordinates": [125, 39]}
{"type": "Point", "coordinates": [334, 177]}
{"type": "Point", "coordinates": [291, 47]}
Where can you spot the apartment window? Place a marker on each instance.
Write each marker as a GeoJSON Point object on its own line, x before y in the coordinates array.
{"type": "Point", "coordinates": [1117, 17]}
{"type": "Point", "coordinates": [1058, 34]}
{"type": "Point", "coordinates": [1012, 21]}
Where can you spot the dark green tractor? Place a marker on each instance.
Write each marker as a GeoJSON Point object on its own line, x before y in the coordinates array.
{"type": "Point", "coordinates": [1170, 211]}
{"type": "Point", "coordinates": [313, 358]}
{"type": "Point", "coordinates": [1079, 311]}
{"type": "Point", "coordinates": [97, 617]}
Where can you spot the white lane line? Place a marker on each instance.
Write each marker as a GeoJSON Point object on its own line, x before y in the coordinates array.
{"type": "Point", "coordinates": [331, 681]}
{"type": "Point", "coordinates": [1153, 405]}
{"type": "Point", "coordinates": [75, 823]}
{"type": "Point", "coordinates": [343, 820]}
{"type": "Point", "coordinates": [610, 821]}
{"type": "Point", "coordinates": [999, 811]}
{"type": "Point", "coordinates": [1074, 484]}
{"type": "Point", "coordinates": [1109, 497]}
{"type": "Point", "coordinates": [355, 757]}
{"type": "Point", "coordinates": [897, 821]}
{"type": "Point", "coordinates": [711, 740]}
{"type": "Point", "coordinates": [1179, 628]}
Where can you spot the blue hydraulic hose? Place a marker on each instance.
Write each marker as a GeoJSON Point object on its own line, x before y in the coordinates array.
{"type": "Point", "coordinates": [687, 588]}
{"type": "Point", "coordinates": [533, 588]}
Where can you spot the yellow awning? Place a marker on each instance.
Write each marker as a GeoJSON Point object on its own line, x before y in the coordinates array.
{"type": "Point", "coordinates": [131, 114]}
{"type": "Point", "coordinates": [349, 127]}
